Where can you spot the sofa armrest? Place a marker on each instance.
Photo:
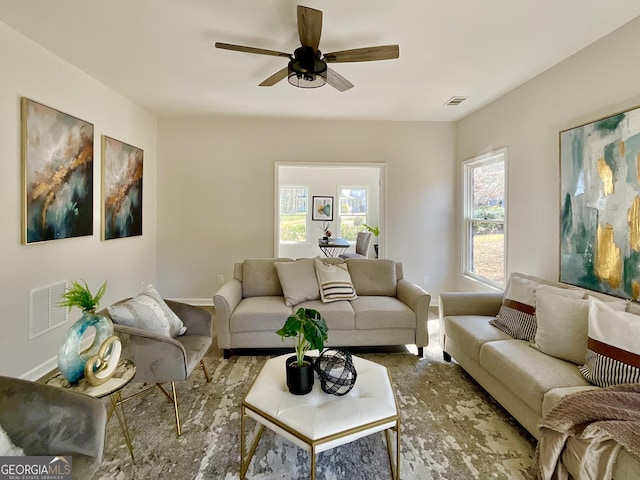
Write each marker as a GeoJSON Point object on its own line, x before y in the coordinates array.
{"type": "Point", "coordinates": [469, 303]}
{"type": "Point", "coordinates": [225, 301]}
{"type": "Point", "coordinates": [482, 304]}
{"type": "Point", "coordinates": [417, 300]}
{"type": "Point", "coordinates": [197, 320]}
{"type": "Point", "coordinates": [157, 358]}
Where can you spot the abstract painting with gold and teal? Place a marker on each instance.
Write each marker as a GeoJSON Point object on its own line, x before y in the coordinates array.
{"type": "Point", "coordinates": [600, 205]}
{"type": "Point", "coordinates": [57, 160]}
{"type": "Point", "coordinates": [121, 189]}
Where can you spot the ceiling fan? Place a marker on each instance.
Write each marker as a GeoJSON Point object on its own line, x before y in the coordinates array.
{"type": "Point", "coordinates": [307, 66]}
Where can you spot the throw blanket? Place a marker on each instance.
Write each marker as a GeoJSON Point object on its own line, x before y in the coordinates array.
{"type": "Point", "coordinates": [581, 436]}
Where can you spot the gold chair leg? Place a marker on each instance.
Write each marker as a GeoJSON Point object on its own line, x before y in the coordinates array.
{"type": "Point", "coordinates": [204, 369]}
{"type": "Point", "coordinates": [173, 398]}
{"type": "Point", "coordinates": [175, 406]}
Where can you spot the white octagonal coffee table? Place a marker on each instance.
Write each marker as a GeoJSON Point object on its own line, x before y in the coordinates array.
{"type": "Point", "coordinates": [318, 421]}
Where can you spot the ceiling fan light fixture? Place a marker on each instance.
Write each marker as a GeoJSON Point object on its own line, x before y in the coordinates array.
{"type": "Point", "coordinates": [306, 69]}
{"type": "Point", "coordinates": [307, 79]}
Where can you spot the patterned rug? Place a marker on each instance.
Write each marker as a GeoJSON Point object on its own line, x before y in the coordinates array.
{"type": "Point", "coordinates": [450, 429]}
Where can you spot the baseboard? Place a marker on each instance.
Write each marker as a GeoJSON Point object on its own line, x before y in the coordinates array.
{"type": "Point", "coordinates": [198, 302]}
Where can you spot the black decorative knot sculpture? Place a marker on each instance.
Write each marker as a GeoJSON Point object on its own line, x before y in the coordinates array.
{"type": "Point", "coordinates": [336, 371]}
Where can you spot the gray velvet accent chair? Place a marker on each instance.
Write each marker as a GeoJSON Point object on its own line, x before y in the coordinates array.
{"type": "Point", "coordinates": [160, 359]}
{"type": "Point", "coordinates": [363, 240]}
{"type": "Point", "coordinates": [44, 420]}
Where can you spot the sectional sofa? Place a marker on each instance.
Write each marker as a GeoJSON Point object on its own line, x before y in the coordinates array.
{"type": "Point", "coordinates": [527, 376]}
{"type": "Point", "coordinates": [380, 308]}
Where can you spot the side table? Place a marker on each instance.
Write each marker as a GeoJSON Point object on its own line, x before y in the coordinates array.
{"type": "Point", "coordinates": [124, 373]}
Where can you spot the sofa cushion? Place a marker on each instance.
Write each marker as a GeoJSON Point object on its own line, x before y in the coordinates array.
{"type": "Point", "coordinates": [298, 280]}
{"type": "Point", "coordinates": [338, 315]}
{"type": "Point", "coordinates": [266, 314]}
{"type": "Point", "coordinates": [334, 281]}
{"type": "Point", "coordinates": [375, 312]}
{"type": "Point", "coordinates": [517, 316]}
{"type": "Point", "coordinates": [613, 354]}
{"type": "Point", "coordinates": [471, 332]}
{"type": "Point", "coordinates": [373, 277]}
{"type": "Point", "coordinates": [260, 278]}
{"type": "Point", "coordinates": [562, 324]}
{"type": "Point", "coordinates": [554, 395]}
{"type": "Point", "coordinates": [526, 372]}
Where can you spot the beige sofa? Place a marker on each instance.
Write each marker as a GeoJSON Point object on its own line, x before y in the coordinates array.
{"type": "Point", "coordinates": [525, 381]}
{"type": "Point", "coordinates": [389, 310]}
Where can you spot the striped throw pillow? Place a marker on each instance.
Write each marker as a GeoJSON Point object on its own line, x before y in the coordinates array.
{"type": "Point", "coordinates": [517, 315]}
{"type": "Point", "coordinates": [335, 282]}
{"type": "Point", "coordinates": [613, 348]}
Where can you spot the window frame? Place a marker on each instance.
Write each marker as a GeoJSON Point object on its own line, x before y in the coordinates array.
{"type": "Point", "coordinates": [339, 209]}
{"type": "Point", "coordinates": [468, 167]}
{"type": "Point", "coordinates": [307, 216]}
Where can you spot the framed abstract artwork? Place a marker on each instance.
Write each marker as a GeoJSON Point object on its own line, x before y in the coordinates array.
{"type": "Point", "coordinates": [322, 209]}
{"type": "Point", "coordinates": [600, 205]}
{"type": "Point", "coordinates": [57, 174]}
{"type": "Point", "coordinates": [121, 189]}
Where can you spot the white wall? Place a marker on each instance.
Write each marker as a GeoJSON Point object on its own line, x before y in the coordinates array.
{"type": "Point", "coordinates": [216, 184]}
{"type": "Point", "coordinates": [31, 71]}
{"type": "Point", "coordinates": [598, 81]}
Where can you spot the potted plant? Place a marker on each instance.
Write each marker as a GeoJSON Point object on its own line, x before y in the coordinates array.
{"type": "Point", "coordinates": [71, 361]}
{"type": "Point", "coordinates": [376, 231]}
{"type": "Point", "coordinates": [310, 331]}
{"type": "Point", "coordinates": [326, 232]}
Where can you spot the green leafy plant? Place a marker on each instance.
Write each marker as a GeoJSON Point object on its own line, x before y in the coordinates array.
{"type": "Point", "coordinates": [80, 296]}
{"type": "Point", "coordinates": [375, 230]}
{"type": "Point", "coordinates": [310, 329]}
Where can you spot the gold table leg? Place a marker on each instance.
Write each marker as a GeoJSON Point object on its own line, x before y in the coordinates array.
{"type": "Point", "coordinates": [245, 461]}
{"type": "Point", "coordinates": [122, 420]}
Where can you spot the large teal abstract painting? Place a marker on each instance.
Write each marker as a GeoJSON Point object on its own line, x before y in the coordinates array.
{"type": "Point", "coordinates": [600, 205]}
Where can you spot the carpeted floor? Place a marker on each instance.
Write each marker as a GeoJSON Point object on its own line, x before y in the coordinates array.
{"type": "Point", "coordinates": [450, 429]}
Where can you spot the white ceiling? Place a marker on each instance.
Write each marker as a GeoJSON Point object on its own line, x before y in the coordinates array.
{"type": "Point", "coordinates": [160, 53]}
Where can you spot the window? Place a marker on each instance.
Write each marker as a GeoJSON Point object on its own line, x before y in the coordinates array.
{"type": "Point", "coordinates": [293, 214]}
{"type": "Point", "coordinates": [352, 212]}
{"type": "Point", "coordinates": [484, 218]}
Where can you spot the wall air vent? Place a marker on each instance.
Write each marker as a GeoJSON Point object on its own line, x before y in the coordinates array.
{"type": "Point", "coordinates": [44, 313]}
{"type": "Point", "coordinates": [455, 101]}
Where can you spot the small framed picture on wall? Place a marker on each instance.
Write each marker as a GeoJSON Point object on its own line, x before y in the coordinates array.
{"type": "Point", "coordinates": [322, 209]}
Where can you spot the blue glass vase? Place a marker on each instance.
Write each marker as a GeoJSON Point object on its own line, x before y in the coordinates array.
{"type": "Point", "coordinates": [71, 360]}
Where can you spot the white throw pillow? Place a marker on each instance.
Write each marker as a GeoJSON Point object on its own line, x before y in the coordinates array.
{"type": "Point", "coordinates": [613, 347]}
{"type": "Point", "coordinates": [335, 282]}
{"type": "Point", "coordinates": [298, 280]}
{"type": "Point", "coordinates": [148, 311]}
{"type": "Point", "coordinates": [7, 448]}
{"type": "Point", "coordinates": [562, 324]}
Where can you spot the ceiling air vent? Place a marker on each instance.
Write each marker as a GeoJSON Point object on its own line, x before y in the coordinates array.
{"type": "Point", "coordinates": [455, 101]}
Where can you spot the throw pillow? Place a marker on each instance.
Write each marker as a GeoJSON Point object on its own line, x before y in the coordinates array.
{"type": "Point", "coordinates": [517, 315]}
{"type": "Point", "coordinates": [7, 447]}
{"type": "Point", "coordinates": [613, 348]}
{"type": "Point", "coordinates": [562, 324]}
{"type": "Point", "coordinates": [335, 282]}
{"type": "Point", "coordinates": [298, 280]}
{"type": "Point", "coordinates": [148, 311]}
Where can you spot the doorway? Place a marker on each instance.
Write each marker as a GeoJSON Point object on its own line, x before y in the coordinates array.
{"type": "Point", "coordinates": [296, 183]}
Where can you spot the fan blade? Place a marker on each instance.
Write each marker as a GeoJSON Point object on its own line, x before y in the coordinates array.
{"type": "Point", "coordinates": [366, 54]}
{"type": "Point", "coordinates": [275, 78]}
{"type": "Point", "coordinates": [337, 81]}
{"type": "Point", "coordinates": [259, 51]}
{"type": "Point", "coordinates": [309, 27]}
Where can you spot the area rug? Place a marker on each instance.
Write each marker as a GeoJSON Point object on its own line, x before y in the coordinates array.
{"type": "Point", "coordinates": [450, 429]}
